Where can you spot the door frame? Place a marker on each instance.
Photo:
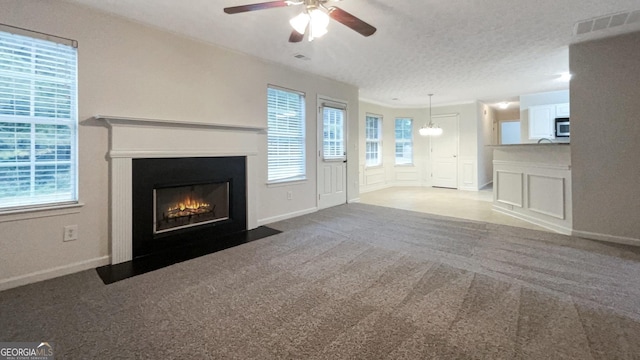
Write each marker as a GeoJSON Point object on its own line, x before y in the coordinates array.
{"type": "Point", "coordinates": [340, 103]}
{"type": "Point", "coordinates": [457, 117]}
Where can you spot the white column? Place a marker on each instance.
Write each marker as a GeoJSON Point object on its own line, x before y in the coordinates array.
{"type": "Point", "coordinates": [252, 193]}
{"type": "Point", "coordinates": [121, 210]}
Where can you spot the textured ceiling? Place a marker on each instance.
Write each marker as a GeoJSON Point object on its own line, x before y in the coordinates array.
{"type": "Point", "coordinates": [460, 50]}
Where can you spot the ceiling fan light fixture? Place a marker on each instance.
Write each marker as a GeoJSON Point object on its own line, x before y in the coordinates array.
{"type": "Point", "coordinates": [313, 20]}
{"type": "Point", "coordinates": [319, 23]}
{"type": "Point", "coordinates": [300, 22]}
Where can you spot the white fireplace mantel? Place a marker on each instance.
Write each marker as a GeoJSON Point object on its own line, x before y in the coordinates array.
{"type": "Point", "coordinates": [132, 121]}
{"type": "Point", "coordinates": [134, 138]}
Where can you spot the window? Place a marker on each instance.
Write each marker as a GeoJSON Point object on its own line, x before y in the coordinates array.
{"type": "Point", "coordinates": [404, 141]}
{"type": "Point", "coordinates": [373, 130]}
{"type": "Point", "coordinates": [333, 133]}
{"type": "Point", "coordinates": [38, 122]}
{"type": "Point", "coordinates": [285, 135]}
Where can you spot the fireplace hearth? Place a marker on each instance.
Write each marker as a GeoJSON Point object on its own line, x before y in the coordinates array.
{"type": "Point", "coordinates": [178, 202]}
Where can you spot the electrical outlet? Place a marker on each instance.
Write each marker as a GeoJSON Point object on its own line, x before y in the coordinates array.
{"type": "Point", "coordinates": [289, 195]}
{"type": "Point", "coordinates": [70, 233]}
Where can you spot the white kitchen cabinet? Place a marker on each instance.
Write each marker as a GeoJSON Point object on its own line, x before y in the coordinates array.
{"type": "Point", "coordinates": [542, 121]}
{"type": "Point", "coordinates": [562, 110]}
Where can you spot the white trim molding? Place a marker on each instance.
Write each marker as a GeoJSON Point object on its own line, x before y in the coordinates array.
{"type": "Point", "coordinates": [514, 188]}
{"type": "Point", "coordinates": [534, 220]}
{"type": "Point", "coordinates": [141, 122]}
{"type": "Point", "coordinates": [534, 184]}
{"type": "Point", "coordinates": [47, 274]}
{"type": "Point", "coordinates": [41, 212]}
{"type": "Point", "coordinates": [290, 215]}
{"type": "Point", "coordinates": [531, 165]}
{"type": "Point", "coordinates": [609, 238]}
{"type": "Point", "coordinates": [134, 138]}
{"type": "Point", "coordinates": [178, 153]}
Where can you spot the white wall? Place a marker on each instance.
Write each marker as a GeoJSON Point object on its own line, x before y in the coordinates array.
{"type": "Point", "coordinates": [488, 123]}
{"type": "Point", "coordinates": [127, 69]}
{"type": "Point", "coordinates": [546, 98]}
{"type": "Point", "coordinates": [388, 174]}
{"type": "Point", "coordinates": [509, 114]}
{"type": "Point", "coordinates": [605, 138]}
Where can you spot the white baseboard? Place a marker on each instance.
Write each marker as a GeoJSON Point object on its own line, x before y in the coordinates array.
{"type": "Point", "coordinates": [406, 184]}
{"type": "Point", "coordinates": [365, 189]}
{"type": "Point", "coordinates": [47, 274]}
{"type": "Point", "coordinates": [356, 200]}
{"type": "Point", "coordinates": [485, 185]}
{"type": "Point", "coordinates": [547, 225]}
{"type": "Point", "coordinates": [609, 238]}
{"type": "Point", "coordinates": [273, 219]}
{"type": "Point", "coordinates": [468, 188]}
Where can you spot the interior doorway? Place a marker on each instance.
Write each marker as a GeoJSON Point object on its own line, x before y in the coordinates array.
{"type": "Point", "coordinates": [332, 155]}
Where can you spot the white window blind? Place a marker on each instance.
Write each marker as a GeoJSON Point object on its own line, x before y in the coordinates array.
{"type": "Point", "coordinates": [285, 135]}
{"type": "Point", "coordinates": [38, 122]}
{"type": "Point", "coordinates": [373, 135]}
{"type": "Point", "coordinates": [404, 141]}
{"type": "Point", "coordinates": [333, 133]}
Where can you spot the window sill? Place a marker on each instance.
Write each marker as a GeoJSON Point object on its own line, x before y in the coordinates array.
{"type": "Point", "coordinates": [40, 212]}
{"type": "Point", "coordinates": [286, 183]}
{"type": "Point", "coordinates": [404, 165]}
{"type": "Point", "coordinates": [373, 167]}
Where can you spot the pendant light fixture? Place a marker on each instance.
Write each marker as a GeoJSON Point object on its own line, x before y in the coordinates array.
{"type": "Point", "coordinates": [430, 129]}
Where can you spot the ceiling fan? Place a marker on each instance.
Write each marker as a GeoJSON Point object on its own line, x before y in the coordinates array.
{"type": "Point", "coordinates": [313, 20]}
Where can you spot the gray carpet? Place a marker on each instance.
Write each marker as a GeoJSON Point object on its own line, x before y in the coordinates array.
{"type": "Point", "coordinates": [353, 282]}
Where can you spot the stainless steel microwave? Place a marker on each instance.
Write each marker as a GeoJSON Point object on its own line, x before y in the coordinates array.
{"type": "Point", "coordinates": [562, 127]}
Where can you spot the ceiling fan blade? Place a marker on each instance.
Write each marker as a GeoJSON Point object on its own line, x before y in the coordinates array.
{"type": "Point", "coordinates": [351, 21]}
{"type": "Point", "coordinates": [258, 6]}
{"type": "Point", "coordinates": [295, 37]}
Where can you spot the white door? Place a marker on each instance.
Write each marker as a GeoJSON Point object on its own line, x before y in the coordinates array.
{"type": "Point", "coordinates": [444, 153]}
{"type": "Point", "coordinates": [332, 156]}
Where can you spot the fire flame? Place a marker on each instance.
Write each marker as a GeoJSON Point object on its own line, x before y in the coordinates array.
{"type": "Point", "coordinates": [187, 207]}
{"type": "Point", "coordinates": [189, 204]}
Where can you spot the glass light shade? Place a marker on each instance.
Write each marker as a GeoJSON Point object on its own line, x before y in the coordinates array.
{"type": "Point", "coordinates": [430, 130]}
{"type": "Point", "coordinates": [319, 23]}
{"type": "Point", "coordinates": [300, 22]}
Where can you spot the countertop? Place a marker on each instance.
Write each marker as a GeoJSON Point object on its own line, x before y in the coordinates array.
{"type": "Point", "coordinates": [531, 144]}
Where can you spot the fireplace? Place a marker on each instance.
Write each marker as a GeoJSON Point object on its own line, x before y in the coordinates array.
{"type": "Point", "coordinates": [180, 201]}
{"type": "Point", "coordinates": [179, 207]}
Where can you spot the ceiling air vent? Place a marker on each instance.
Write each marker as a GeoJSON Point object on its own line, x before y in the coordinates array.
{"type": "Point", "coordinates": [606, 22]}
{"type": "Point", "coordinates": [301, 57]}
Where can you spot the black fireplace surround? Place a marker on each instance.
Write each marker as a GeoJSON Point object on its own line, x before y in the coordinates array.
{"type": "Point", "coordinates": [159, 173]}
